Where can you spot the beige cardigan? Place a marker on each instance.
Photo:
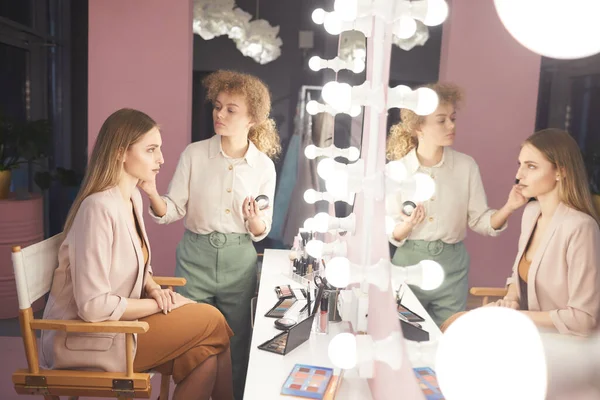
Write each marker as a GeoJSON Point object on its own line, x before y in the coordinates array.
{"type": "Point", "coordinates": [564, 276]}
{"type": "Point", "coordinates": [100, 266]}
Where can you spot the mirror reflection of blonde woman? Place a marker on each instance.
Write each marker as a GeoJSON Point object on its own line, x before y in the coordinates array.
{"type": "Point", "coordinates": [436, 228]}
{"type": "Point", "coordinates": [556, 272]}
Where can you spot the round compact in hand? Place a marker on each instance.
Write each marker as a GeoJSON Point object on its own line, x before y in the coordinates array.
{"type": "Point", "coordinates": [284, 323]}
{"type": "Point", "coordinates": [262, 201]}
{"type": "Point", "coordinates": [408, 207]}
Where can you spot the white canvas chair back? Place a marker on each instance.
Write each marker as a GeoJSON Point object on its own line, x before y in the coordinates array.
{"type": "Point", "coordinates": [34, 269]}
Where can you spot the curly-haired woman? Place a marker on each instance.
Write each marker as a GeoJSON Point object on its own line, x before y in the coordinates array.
{"type": "Point", "coordinates": [436, 229]}
{"type": "Point", "coordinates": [214, 189]}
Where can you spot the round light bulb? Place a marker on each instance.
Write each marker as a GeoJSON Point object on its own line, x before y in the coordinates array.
{"type": "Point", "coordinates": [309, 224]}
{"type": "Point", "coordinates": [343, 99]}
{"type": "Point", "coordinates": [353, 153]}
{"type": "Point", "coordinates": [311, 196]}
{"type": "Point", "coordinates": [310, 151]}
{"type": "Point", "coordinates": [314, 63]}
{"type": "Point", "coordinates": [337, 95]}
{"type": "Point", "coordinates": [358, 66]}
{"type": "Point", "coordinates": [346, 9]}
{"type": "Point", "coordinates": [326, 168]}
{"type": "Point", "coordinates": [437, 12]}
{"type": "Point", "coordinates": [342, 350]}
{"type": "Point", "coordinates": [338, 272]}
{"type": "Point", "coordinates": [405, 27]}
{"type": "Point", "coordinates": [318, 16]}
{"type": "Point", "coordinates": [563, 29]}
{"type": "Point", "coordinates": [321, 222]}
{"type": "Point", "coordinates": [359, 53]}
{"type": "Point", "coordinates": [355, 111]}
{"type": "Point", "coordinates": [396, 170]}
{"type": "Point", "coordinates": [333, 23]}
{"type": "Point", "coordinates": [427, 101]}
{"type": "Point", "coordinates": [312, 107]}
{"type": "Point", "coordinates": [425, 187]}
{"type": "Point", "coordinates": [337, 185]}
{"type": "Point", "coordinates": [314, 248]}
{"type": "Point", "coordinates": [433, 275]}
{"type": "Point", "coordinates": [329, 91]}
{"type": "Point", "coordinates": [493, 337]}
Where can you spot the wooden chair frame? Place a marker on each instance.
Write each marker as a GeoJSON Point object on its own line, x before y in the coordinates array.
{"type": "Point", "coordinates": [487, 292]}
{"type": "Point", "coordinates": [74, 383]}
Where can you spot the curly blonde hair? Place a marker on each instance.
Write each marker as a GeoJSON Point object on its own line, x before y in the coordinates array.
{"type": "Point", "coordinates": [258, 99]}
{"type": "Point", "coordinates": [403, 137]}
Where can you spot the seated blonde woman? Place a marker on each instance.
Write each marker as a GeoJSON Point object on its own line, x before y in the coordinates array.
{"type": "Point", "coordinates": [556, 274]}
{"type": "Point", "coordinates": [105, 274]}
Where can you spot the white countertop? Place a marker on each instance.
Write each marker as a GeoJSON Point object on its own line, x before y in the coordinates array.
{"type": "Point", "coordinates": [268, 371]}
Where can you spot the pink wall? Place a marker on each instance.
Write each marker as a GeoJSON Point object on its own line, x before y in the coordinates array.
{"type": "Point", "coordinates": [140, 56]}
{"type": "Point", "coordinates": [500, 79]}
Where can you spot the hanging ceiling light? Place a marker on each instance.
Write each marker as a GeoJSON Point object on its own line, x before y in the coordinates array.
{"type": "Point", "coordinates": [419, 38]}
{"type": "Point", "coordinates": [212, 18]}
{"type": "Point", "coordinates": [256, 39]}
{"type": "Point", "coordinates": [260, 42]}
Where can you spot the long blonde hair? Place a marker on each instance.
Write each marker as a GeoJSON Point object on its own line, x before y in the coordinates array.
{"type": "Point", "coordinates": [562, 151]}
{"type": "Point", "coordinates": [403, 136]}
{"type": "Point", "coordinates": [120, 130]}
{"type": "Point", "coordinates": [258, 99]}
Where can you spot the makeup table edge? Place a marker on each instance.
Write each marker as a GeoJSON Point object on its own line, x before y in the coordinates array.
{"type": "Point", "coordinates": [268, 371]}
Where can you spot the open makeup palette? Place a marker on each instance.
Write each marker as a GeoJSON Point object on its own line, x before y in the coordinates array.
{"type": "Point", "coordinates": [296, 335]}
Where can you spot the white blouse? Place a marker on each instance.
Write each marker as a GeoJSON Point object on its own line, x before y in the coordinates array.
{"type": "Point", "coordinates": [459, 200]}
{"type": "Point", "coordinates": [208, 189]}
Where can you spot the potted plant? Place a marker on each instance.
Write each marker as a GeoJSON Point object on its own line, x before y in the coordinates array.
{"type": "Point", "coordinates": [9, 156]}
{"type": "Point", "coordinates": [65, 177]}
{"type": "Point", "coordinates": [26, 142]}
{"type": "Point", "coordinates": [21, 218]}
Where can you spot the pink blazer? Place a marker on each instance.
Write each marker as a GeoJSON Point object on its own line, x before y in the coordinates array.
{"type": "Point", "coordinates": [100, 266]}
{"type": "Point", "coordinates": [564, 276]}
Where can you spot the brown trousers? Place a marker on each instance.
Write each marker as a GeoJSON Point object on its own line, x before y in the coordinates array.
{"type": "Point", "coordinates": [450, 320]}
{"type": "Point", "coordinates": [178, 342]}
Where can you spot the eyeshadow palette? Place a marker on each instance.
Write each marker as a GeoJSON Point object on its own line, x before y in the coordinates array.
{"type": "Point", "coordinates": [297, 334]}
{"type": "Point", "coordinates": [277, 344]}
{"type": "Point", "coordinates": [428, 383]}
{"type": "Point", "coordinates": [279, 309]}
{"type": "Point", "coordinates": [284, 291]}
{"type": "Point", "coordinates": [307, 381]}
{"type": "Point", "coordinates": [289, 340]}
{"type": "Point", "coordinates": [409, 315]}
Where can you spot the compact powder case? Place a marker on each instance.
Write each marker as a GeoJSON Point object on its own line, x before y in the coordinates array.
{"type": "Point", "coordinates": [408, 207]}
{"type": "Point", "coordinates": [284, 323]}
{"type": "Point", "coordinates": [262, 201]}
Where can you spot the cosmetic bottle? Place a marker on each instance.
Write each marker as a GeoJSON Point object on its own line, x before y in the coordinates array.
{"type": "Point", "coordinates": [322, 319]}
{"type": "Point", "coordinates": [294, 255]}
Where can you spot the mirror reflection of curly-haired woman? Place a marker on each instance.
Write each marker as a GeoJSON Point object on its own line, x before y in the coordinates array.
{"type": "Point", "coordinates": [435, 230]}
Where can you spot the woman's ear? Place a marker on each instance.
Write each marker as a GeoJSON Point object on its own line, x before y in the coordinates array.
{"type": "Point", "coordinates": [419, 133]}
{"type": "Point", "coordinates": [121, 155]}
